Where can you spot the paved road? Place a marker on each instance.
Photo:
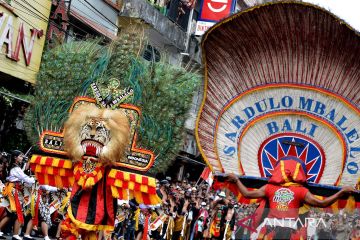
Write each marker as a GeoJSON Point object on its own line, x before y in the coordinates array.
{"type": "Point", "coordinates": [7, 237]}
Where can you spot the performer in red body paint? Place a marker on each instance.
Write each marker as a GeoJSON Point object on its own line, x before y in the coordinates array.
{"type": "Point", "coordinates": [285, 194]}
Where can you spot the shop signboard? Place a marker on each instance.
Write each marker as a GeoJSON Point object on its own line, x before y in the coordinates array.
{"type": "Point", "coordinates": [22, 37]}
{"type": "Point", "coordinates": [211, 12]}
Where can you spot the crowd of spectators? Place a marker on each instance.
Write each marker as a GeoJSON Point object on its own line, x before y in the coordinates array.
{"type": "Point", "coordinates": [340, 225]}
{"type": "Point", "coordinates": [194, 211]}
{"type": "Point", "coordinates": [189, 210]}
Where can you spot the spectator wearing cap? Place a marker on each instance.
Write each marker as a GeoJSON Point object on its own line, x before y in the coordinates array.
{"type": "Point", "coordinates": [184, 183]}
{"type": "Point", "coordinates": [163, 190]}
{"type": "Point", "coordinates": [219, 199]}
{"type": "Point", "coordinates": [200, 223]}
{"type": "Point", "coordinates": [219, 210]}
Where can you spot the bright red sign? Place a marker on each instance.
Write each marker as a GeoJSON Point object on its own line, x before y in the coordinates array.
{"type": "Point", "coordinates": [215, 10]}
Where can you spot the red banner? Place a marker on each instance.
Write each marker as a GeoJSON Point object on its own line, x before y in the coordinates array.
{"type": "Point", "coordinates": [215, 10]}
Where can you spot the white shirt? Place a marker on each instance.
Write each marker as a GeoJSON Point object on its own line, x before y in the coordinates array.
{"type": "Point", "coordinates": [48, 188]}
{"type": "Point", "coordinates": [18, 175]}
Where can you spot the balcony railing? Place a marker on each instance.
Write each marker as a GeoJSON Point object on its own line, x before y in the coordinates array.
{"type": "Point", "coordinates": [178, 11]}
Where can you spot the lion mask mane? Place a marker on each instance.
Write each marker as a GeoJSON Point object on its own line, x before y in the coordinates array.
{"type": "Point", "coordinates": [102, 133]}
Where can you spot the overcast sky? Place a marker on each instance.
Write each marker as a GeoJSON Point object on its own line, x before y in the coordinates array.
{"type": "Point", "coordinates": [348, 10]}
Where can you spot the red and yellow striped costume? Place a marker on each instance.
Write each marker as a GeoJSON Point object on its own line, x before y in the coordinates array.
{"type": "Point", "coordinates": [93, 202]}
{"type": "Point", "coordinates": [288, 172]}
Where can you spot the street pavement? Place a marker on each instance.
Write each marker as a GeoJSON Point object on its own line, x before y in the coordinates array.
{"type": "Point", "coordinates": [9, 237]}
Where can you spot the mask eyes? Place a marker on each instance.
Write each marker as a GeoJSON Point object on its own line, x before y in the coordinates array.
{"type": "Point", "coordinates": [87, 127]}
{"type": "Point", "coordinates": [100, 128]}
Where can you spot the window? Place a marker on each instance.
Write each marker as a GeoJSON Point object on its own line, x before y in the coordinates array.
{"type": "Point", "coordinates": [151, 54]}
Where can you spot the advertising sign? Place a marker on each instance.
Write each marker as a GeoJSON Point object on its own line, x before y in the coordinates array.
{"type": "Point", "coordinates": [215, 10]}
{"type": "Point", "coordinates": [22, 37]}
{"type": "Point", "coordinates": [202, 27]}
{"type": "Point", "coordinates": [211, 12]}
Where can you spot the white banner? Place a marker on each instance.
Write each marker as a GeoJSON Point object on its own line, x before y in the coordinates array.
{"type": "Point", "coordinates": [202, 27]}
{"type": "Point", "coordinates": [260, 126]}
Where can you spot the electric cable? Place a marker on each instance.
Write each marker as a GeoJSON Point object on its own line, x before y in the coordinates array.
{"type": "Point", "coordinates": [101, 14]}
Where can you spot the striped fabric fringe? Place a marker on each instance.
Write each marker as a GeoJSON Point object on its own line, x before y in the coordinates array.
{"type": "Point", "coordinates": [87, 180]}
{"type": "Point", "coordinates": [126, 185]}
{"type": "Point", "coordinates": [52, 171]}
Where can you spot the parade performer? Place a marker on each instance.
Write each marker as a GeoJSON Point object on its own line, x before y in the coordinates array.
{"type": "Point", "coordinates": [95, 138]}
{"type": "Point", "coordinates": [14, 191]}
{"type": "Point", "coordinates": [119, 98]}
{"type": "Point", "coordinates": [40, 211]}
{"type": "Point", "coordinates": [262, 97]}
{"type": "Point", "coordinates": [285, 194]}
{"type": "Point", "coordinates": [200, 222]}
{"type": "Point", "coordinates": [3, 175]}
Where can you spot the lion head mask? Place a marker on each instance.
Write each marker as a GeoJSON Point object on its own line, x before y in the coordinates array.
{"type": "Point", "coordinates": [95, 132]}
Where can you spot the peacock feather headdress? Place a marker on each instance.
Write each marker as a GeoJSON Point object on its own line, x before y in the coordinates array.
{"type": "Point", "coordinates": [162, 91]}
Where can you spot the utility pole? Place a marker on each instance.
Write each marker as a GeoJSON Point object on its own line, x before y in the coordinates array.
{"type": "Point", "coordinates": [188, 32]}
{"type": "Point", "coordinates": [68, 14]}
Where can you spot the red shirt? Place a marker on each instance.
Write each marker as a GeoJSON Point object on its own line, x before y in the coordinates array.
{"type": "Point", "coordinates": [285, 201]}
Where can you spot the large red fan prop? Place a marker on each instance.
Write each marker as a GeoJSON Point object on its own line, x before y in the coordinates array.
{"type": "Point", "coordinates": [282, 80]}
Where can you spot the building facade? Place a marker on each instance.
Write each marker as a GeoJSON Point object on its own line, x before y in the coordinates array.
{"type": "Point", "coordinates": [170, 27]}
{"type": "Point", "coordinates": [23, 27]}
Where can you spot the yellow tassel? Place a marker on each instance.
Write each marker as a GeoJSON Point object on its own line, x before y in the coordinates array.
{"type": "Point", "coordinates": [7, 192]}
{"type": "Point", "coordinates": [137, 215]}
{"type": "Point", "coordinates": [125, 194]}
{"type": "Point", "coordinates": [89, 182]}
{"type": "Point", "coordinates": [115, 192]}
{"type": "Point", "coordinates": [64, 202]}
{"type": "Point", "coordinates": [118, 183]}
{"type": "Point", "coordinates": [32, 205]}
{"type": "Point", "coordinates": [50, 170]}
{"type": "Point", "coordinates": [58, 182]}
{"type": "Point", "coordinates": [126, 176]}
{"type": "Point", "coordinates": [154, 199]}
{"type": "Point", "coordinates": [46, 179]}
{"type": "Point", "coordinates": [350, 204]}
{"type": "Point", "coordinates": [335, 207]}
{"type": "Point", "coordinates": [81, 181]}
{"type": "Point", "coordinates": [90, 236]}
